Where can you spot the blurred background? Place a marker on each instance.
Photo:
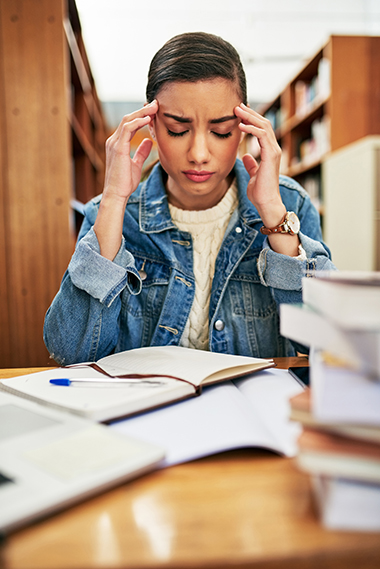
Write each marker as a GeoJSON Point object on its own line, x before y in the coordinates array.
{"type": "Point", "coordinates": [71, 69]}
{"type": "Point", "coordinates": [273, 37]}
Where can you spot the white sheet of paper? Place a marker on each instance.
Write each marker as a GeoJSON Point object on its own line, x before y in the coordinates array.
{"type": "Point", "coordinates": [251, 412]}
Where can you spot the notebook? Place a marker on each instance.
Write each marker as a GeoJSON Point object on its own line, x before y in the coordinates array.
{"type": "Point", "coordinates": [126, 383]}
{"type": "Point", "coordinates": [49, 460]}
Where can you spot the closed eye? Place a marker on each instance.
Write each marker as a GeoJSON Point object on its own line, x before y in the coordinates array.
{"type": "Point", "coordinates": [171, 133]}
{"type": "Point", "coordinates": [218, 134]}
{"type": "Point", "coordinates": [225, 135]}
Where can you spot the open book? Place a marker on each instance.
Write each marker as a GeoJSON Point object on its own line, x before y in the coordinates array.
{"type": "Point", "coordinates": [153, 376]}
{"type": "Point", "coordinates": [249, 412]}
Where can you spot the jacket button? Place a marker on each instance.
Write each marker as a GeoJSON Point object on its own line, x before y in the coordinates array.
{"type": "Point", "coordinates": [219, 325]}
{"type": "Point", "coordinates": [142, 274]}
{"type": "Point", "coordinates": [238, 230]}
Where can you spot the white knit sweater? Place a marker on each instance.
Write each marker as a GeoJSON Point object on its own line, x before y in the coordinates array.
{"type": "Point", "coordinates": [207, 228]}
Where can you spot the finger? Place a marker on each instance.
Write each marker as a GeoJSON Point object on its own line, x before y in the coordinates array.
{"type": "Point", "coordinates": [142, 152]}
{"type": "Point", "coordinates": [149, 110]}
{"type": "Point", "coordinates": [249, 116]}
{"type": "Point", "coordinates": [129, 129]}
{"type": "Point", "coordinates": [249, 111]}
{"type": "Point", "coordinates": [250, 165]}
{"type": "Point", "coordinates": [258, 126]}
{"type": "Point", "coordinates": [252, 129]}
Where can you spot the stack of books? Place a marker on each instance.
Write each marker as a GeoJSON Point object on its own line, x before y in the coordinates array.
{"type": "Point", "coordinates": [339, 321]}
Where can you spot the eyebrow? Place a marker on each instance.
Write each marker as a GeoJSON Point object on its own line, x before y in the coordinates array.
{"type": "Point", "coordinates": [223, 119]}
{"type": "Point", "coordinates": [213, 121]}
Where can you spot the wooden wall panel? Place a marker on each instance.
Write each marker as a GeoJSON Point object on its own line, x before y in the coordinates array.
{"type": "Point", "coordinates": [4, 307]}
{"type": "Point", "coordinates": [355, 89]}
{"type": "Point", "coordinates": [36, 179]}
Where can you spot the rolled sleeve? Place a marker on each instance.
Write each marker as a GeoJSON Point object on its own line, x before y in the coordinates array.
{"type": "Point", "coordinates": [101, 278]}
{"type": "Point", "coordinates": [286, 273]}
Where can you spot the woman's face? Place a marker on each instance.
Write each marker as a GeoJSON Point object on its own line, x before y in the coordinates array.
{"type": "Point", "coordinates": [197, 137]}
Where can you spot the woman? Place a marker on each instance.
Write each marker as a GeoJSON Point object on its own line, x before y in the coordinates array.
{"type": "Point", "coordinates": [201, 253]}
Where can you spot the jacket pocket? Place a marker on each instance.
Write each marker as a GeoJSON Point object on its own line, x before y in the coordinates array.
{"type": "Point", "coordinates": [155, 279]}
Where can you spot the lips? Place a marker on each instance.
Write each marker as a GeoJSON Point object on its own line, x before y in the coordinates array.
{"type": "Point", "coordinates": [198, 175]}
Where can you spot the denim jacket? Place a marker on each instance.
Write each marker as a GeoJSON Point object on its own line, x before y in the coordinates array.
{"type": "Point", "coordinates": [106, 306]}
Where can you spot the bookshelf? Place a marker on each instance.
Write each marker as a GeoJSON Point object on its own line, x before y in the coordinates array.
{"type": "Point", "coordinates": [52, 134]}
{"type": "Point", "coordinates": [333, 101]}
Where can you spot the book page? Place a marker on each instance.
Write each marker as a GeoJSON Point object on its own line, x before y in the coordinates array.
{"type": "Point", "coordinates": [222, 418]}
{"type": "Point", "coordinates": [190, 365]}
{"type": "Point", "coordinates": [268, 394]}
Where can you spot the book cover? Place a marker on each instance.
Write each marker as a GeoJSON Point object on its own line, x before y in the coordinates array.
{"type": "Point", "coordinates": [349, 505]}
{"type": "Point", "coordinates": [341, 394]}
{"type": "Point", "coordinates": [335, 455]}
{"type": "Point", "coordinates": [360, 349]}
{"type": "Point", "coordinates": [350, 299]}
{"type": "Point", "coordinates": [301, 412]}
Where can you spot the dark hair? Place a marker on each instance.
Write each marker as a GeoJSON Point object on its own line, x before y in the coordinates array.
{"type": "Point", "coordinates": [195, 56]}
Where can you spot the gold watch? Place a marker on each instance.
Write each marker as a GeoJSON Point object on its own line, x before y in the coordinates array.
{"type": "Point", "coordinates": [290, 224]}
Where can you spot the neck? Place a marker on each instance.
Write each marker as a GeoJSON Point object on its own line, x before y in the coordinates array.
{"type": "Point", "coordinates": [193, 202]}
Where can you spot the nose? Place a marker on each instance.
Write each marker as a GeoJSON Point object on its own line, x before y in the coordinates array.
{"type": "Point", "coordinates": [199, 151]}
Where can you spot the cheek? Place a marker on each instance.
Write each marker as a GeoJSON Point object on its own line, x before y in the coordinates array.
{"type": "Point", "coordinates": [230, 147]}
{"type": "Point", "coordinates": [168, 150]}
{"type": "Point", "coordinates": [167, 145]}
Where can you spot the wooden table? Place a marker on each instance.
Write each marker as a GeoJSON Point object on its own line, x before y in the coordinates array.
{"type": "Point", "coordinates": [245, 508]}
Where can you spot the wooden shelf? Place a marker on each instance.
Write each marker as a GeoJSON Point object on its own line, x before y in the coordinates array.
{"type": "Point", "coordinates": [52, 155]}
{"type": "Point", "coordinates": [89, 129]}
{"type": "Point", "coordinates": [340, 91]}
{"type": "Point", "coordinates": [85, 145]}
{"type": "Point", "coordinates": [303, 167]}
{"type": "Point", "coordinates": [314, 110]}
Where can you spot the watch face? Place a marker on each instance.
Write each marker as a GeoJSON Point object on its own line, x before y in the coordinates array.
{"type": "Point", "coordinates": [293, 223]}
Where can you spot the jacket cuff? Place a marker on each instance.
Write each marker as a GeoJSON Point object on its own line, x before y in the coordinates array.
{"type": "Point", "coordinates": [286, 273]}
{"type": "Point", "coordinates": [99, 277]}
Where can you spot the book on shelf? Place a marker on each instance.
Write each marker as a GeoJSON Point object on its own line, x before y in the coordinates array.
{"type": "Point", "coordinates": [312, 92]}
{"type": "Point", "coordinates": [324, 78]}
{"type": "Point", "coordinates": [350, 299]}
{"type": "Point", "coordinates": [349, 505]}
{"type": "Point", "coordinates": [359, 348]}
{"type": "Point", "coordinates": [311, 182]}
{"type": "Point", "coordinates": [132, 381]}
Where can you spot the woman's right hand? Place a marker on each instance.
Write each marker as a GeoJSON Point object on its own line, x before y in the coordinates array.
{"type": "Point", "coordinates": [122, 177]}
{"type": "Point", "coordinates": [123, 173]}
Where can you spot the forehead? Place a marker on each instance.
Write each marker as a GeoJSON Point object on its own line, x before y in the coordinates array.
{"type": "Point", "coordinates": [211, 99]}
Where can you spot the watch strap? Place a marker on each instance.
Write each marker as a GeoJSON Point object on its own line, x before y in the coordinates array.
{"type": "Point", "coordinates": [278, 229]}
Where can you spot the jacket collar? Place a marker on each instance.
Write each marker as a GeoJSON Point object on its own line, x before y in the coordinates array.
{"type": "Point", "coordinates": [154, 215]}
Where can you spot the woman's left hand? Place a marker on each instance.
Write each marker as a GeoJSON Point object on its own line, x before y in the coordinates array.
{"type": "Point", "coordinates": [263, 187]}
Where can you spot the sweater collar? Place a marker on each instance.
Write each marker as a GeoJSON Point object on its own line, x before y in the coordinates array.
{"type": "Point", "coordinates": [154, 215]}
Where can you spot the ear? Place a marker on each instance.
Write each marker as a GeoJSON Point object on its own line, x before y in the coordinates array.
{"type": "Point", "coordinates": [151, 126]}
{"type": "Point", "coordinates": [152, 130]}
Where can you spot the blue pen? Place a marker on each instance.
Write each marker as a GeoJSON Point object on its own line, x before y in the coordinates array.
{"type": "Point", "coordinates": [99, 382]}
